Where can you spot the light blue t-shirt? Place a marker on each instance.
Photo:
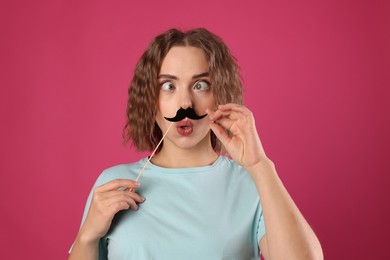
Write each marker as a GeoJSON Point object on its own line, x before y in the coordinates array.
{"type": "Point", "coordinates": [211, 212]}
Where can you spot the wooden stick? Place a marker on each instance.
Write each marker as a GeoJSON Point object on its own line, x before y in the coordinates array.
{"type": "Point", "coordinates": [151, 156]}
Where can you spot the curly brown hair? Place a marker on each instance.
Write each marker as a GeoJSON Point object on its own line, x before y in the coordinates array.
{"type": "Point", "coordinates": [141, 126]}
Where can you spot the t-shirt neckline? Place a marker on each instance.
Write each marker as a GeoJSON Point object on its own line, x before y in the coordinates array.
{"type": "Point", "coordinates": [199, 169]}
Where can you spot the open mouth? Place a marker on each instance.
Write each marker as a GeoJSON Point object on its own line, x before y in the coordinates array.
{"type": "Point", "coordinates": [185, 127]}
{"type": "Point", "coordinates": [185, 124]}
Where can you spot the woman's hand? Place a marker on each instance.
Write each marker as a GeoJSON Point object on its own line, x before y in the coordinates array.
{"type": "Point", "coordinates": [241, 139]}
{"type": "Point", "coordinates": [108, 200]}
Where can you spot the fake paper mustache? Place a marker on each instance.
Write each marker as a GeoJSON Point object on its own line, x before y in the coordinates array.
{"type": "Point", "coordinates": [183, 113]}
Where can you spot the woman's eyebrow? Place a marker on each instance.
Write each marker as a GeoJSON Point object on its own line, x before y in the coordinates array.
{"type": "Point", "coordinates": [201, 75]}
{"type": "Point", "coordinates": [166, 76]}
{"type": "Point", "coordinates": [197, 76]}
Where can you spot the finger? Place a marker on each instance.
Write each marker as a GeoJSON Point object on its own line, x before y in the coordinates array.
{"type": "Point", "coordinates": [118, 201]}
{"type": "Point", "coordinates": [219, 114]}
{"type": "Point", "coordinates": [229, 106]}
{"type": "Point", "coordinates": [214, 115]}
{"type": "Point", "coordinates": [220, 133]}
{"type": "Point", "coordinates": [234, 107]}
{"type": "Point", "coordinates": [227, 114]}
{"type": "Point", "coordinates": [225, 122]}
{"type": "Point", "coordinates": [133, 205]}
{"type": "Point", "coordinates": [130, 194]}
{"type": "Point", "coordinates": [233, 118]}
{"type": "Point", "coordinates": [240, 114]}
{"type": "Point", "coordinates": [117, 184]}
{"type": "Point", "coordinates": [121, 205]}
{"type": "Point", "coordinates": [233, 115]}
{"type": "Point", "coordinates": [136, 197]}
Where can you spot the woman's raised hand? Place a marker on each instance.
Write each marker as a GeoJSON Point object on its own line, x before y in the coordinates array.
{"type": "Point", "coordinates": [107, 200]}
{"type": "Point", "coordinates": [241, 139]}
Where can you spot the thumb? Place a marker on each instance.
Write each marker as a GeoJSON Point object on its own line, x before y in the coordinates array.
{"type": "Point", "coordinates": [220, 133]}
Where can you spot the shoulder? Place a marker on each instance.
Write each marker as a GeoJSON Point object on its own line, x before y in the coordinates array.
{"type": "Point", "coordinates": [241, 186]}
{"type": "Point", "coordinates": [235, 172]}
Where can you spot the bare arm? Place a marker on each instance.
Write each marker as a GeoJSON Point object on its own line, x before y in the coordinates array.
{"type": "Point", "coordinates": [84, 249]}
{"type": "Point", "coordinates": [288, 234]}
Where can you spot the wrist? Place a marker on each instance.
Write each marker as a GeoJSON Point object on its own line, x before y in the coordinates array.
{"type": "Point", "coordinates": [85, 247]}
{"type": "Point", "coordinates": [87, 239]}
{"type": "Point", "coordinates": [261, 168]}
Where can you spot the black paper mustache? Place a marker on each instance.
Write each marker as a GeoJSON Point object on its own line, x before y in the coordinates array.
{"type": "Point", "coordinates": [183, 113]}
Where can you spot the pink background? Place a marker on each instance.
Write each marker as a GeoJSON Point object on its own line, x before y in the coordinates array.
{"type": "Point", "coordinates": [316, 77]}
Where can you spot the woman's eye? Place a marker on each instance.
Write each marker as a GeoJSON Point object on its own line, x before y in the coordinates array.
{"type": "Point", "coordinates": [167, 86]}
{"type": "Point", "coordinates": [201, 85]}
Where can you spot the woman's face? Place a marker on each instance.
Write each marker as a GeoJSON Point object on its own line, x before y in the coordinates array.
{"type": "Point", "coordinates": [184, 82]}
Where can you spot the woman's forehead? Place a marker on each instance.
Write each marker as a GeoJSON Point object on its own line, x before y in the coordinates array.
{"type": "Point", "coordinates": [184, 61]}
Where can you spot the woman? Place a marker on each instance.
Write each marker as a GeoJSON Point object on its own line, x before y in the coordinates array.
{"type": "Point", "coordinates": [200, 204]}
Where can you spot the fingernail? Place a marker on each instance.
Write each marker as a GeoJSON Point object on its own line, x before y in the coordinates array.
{"type": "Point", "coordinates": [143, 199]}
{"type": "Point", "coordinates": [137, 184]}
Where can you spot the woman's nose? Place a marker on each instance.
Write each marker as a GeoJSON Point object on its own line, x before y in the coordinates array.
{"type": "Point", "coordinates": [185, 100]}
